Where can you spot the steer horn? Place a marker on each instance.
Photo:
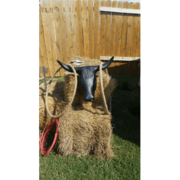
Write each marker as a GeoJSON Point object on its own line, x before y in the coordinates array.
{"type": "Point", "coordinates": [67, 68]}
{"type": "Point", "coordinates": [105, 65]}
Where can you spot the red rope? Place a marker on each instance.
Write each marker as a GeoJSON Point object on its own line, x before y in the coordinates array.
{"type": "Point", "coordinates": [43, 135]}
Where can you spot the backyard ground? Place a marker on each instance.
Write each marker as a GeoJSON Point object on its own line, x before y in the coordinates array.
{"type": "Point", "coordinates": [126, 143]}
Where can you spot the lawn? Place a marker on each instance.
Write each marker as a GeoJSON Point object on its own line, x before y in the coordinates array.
{"type": "Point", "coordinates": [126, 143]}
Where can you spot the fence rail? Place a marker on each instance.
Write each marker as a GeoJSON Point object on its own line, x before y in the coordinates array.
{"type": "Point", "coordinates": [78, 28]}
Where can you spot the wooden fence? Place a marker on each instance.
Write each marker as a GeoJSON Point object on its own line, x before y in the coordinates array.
{"type": "Point", "coordinates": [78, 28]}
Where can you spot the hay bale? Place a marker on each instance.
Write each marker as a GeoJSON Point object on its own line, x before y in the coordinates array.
{"type": "Point", "coordinates": [56, 102]}
{"type": "Point", "coordinates": [83, 132]}
{"type": "Point", "coordinates": [84, 128]}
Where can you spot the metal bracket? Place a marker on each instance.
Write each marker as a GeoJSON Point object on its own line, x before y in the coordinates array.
{"type": "Point", "coordinates": [44, 72]}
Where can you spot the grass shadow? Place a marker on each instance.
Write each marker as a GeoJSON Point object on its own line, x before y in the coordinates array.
{"type": "Point", "coordinates": [126, 108]}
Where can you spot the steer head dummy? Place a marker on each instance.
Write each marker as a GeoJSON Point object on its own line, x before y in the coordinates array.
{"type": "Point", "coordinates": [87, 78]}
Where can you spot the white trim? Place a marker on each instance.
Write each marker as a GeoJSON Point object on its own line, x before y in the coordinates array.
{"type": "Point", "coordinates": [119, 10]}
{"type": "Point", "coordinates": [106, 58]}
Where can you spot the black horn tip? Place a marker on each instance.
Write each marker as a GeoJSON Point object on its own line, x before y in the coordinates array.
{"type": "Point", "coordinates": [112, 57]}
{"type": "Point", "coordinates": [66, 67]}
{"type": "Point", "coordinates": [104, 66]}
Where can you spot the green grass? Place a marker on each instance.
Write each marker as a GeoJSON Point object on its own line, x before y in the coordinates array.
{"type": "Point", "coordinates": [126, 143]}
{"type": "Point", "coordinates": [55, 79]}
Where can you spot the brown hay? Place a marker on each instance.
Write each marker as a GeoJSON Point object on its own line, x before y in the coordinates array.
{"type": "Point", "coordinates": [82, 132]}
{"type": "Point", "coordinates": [56, 102]}
{"type": "Point", "coordinates": [84, 128]}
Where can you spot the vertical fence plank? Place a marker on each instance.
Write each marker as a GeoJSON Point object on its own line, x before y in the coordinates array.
{"type": "Point", "coordinates": [102, 29]}
{"type": "Point", "coordinates": [74, 28]}
{"type": "Point", "coordinates": [124, 31]}
{"type": "Point", "coordinates": [138, 38]}
{"type": "Point", "coordinates": [124, 38]}
{"type": "Point", "coordinates": [113, 65]}
{"type": "Point", "coordinates": [85, 28]}
{"type": "Point", "coordinates": [129, 35]}
{"type": "Point", "coordinates": [58, 26]}
{"type": "Point", "coordinates": [45, 22]}
{"type": "Point", "coordinates": [62, 35]}
{"type": "Point", "coordinates": [108, 27]}
{"type": "Point", "coordinates": [138, 53]}
{"type": "Point", "coordinates": [52, 35]}
{"type": "Point", "coordinates": [68, 30]}
{"type": "Point", "coordinates": [118, 37]}
{"type": "Point", "coordinates": [55, 19]}
{"type": "Point", "coordinates": [96, 29]}
{"type": "Point", "coordinates": [91, 29]}
{"type": "Point", "coordinates": [113, 29]}
{"type": "Point", "coordinates": [39, 34]}
{"type": "Point", "coordinates": [129, 32]}
{"type": "Point", "coordinates": [42, 45]}
{"type": "Point", "coordinates": [135, 31]}
{"type": "Point", "coordinates": [78, 7]}
{"type": "Point", "coordinates": [118, 31]}
{"type": "Point", "coordinates": [134, 39]}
